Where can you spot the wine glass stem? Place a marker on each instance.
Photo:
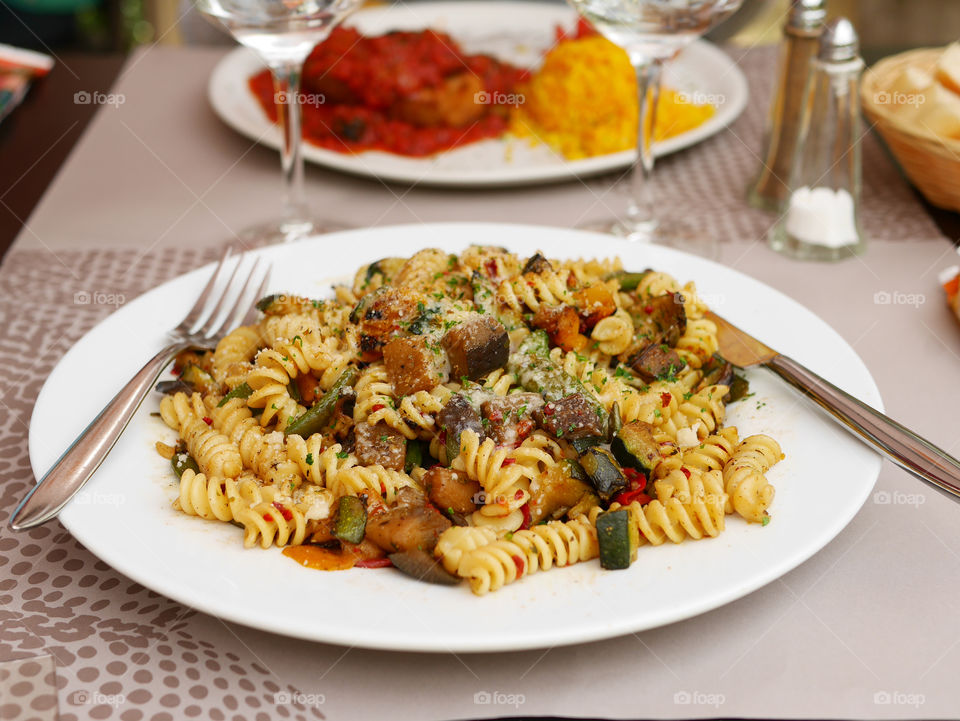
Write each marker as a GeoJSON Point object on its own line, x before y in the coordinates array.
{"type": "Point", "coordinates": [640, 211]}
{"type": "Point", "coordinates": [286, 84]}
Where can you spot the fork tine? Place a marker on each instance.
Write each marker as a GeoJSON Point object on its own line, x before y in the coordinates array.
{"type": "Point", "coordinates": [194, 314]}
{"type": "Point", "coordinates": [244, 311]}
{"type": "Point", "coordinates": [213, 321]}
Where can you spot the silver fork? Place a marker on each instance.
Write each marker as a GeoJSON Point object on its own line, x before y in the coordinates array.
{"type": "Point", "coordinates": [214, 311]}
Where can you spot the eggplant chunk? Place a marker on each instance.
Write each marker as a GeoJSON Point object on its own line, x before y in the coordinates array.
{"type": "Point", "coordinates": [456, 417]}
{"type": "Point", "coordinates": [381, 316]}
{"type": "Point", "coordinates": [450, 490]}
{"type": "Point", "coordinates": [555, 493]}
{"type": "Point", "coordinates": [407, 528]}
{"type": "Point", "coordinates": [663, 318]}
{"type": "Point", "coordinates": [411, 365]}
{"type": "Point", "coordinates": [380, 444]}
{"type": "Point", "coordinates": [572, 417]}
{"type": "Point", "coordinates": [423, 567]}
{"type": "Point", "coordinates": [476, 347]}
{"type": "Point", "coordinates": [536, 264]}
{"type": "Point", "coordinates": [509, 419]}
{"type": "Point", "coordinates": [656, 362]}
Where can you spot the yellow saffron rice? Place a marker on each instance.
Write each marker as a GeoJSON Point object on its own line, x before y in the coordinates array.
{"type": "Point", "coordinates": [583, 102]}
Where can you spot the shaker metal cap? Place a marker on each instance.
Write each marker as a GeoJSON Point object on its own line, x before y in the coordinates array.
{"type": "Point", "coordinates": [807, 14]}
{"type": "Point", "coordinates": [839, 41]}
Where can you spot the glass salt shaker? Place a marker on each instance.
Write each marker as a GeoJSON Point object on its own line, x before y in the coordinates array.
{"type": "Point", "coordinates": [821, 215]}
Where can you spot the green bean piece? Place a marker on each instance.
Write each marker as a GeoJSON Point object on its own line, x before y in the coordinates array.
{"type": "Point", "coordinates": [241, 391]}
{"type": "Point", "coordinates": [318, 416]}
{"type": "Point", "coordinates": [628, 280]}
{"type": "Point", "coordinates": [181, 461]}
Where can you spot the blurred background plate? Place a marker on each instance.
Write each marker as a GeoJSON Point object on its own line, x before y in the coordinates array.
{"type": "Point", "coordinates": [516, 32]}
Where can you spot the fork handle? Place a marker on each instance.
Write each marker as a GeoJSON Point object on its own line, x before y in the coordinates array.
{"type": "Point", "coordinates": [74, 468]}
{"type": "Point", "coordinates": [902, 446]}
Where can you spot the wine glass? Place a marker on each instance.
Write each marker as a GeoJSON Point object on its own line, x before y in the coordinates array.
{"type": "Point", "coordinates": [282, 33]}
{"type": "Point", "coordinates": [652, 31]}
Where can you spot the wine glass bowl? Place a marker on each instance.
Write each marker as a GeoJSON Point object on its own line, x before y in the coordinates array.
{"type": "Point", "coordinates": [282, 33]}
{"type": "Point", "coordinates": [652, 31]}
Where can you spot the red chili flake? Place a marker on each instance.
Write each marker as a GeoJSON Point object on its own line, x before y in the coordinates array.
{"type": "Point", "coordinates": [665, 399]}
{"type": "Point", "coordinates": [383, 489]}
{"type": "Point", "coordinates": [377, 407]}
{"type": "Point", "coordinates": [285, 512]}
{"type": "Point", "coordinates": [525, 428]}
{"type": "Point", "coordinates": [519, 563]}
{"type": "Point", "coordinates": [268, 518]}
{"type": "Point", "coordinates": [518, 495]}
{"type": "Point", "coordinates": [685, 471]}
{"type": "Point", "coordinates": [648, 309]}
{"type": "Point", "coordinates": [374, 563]}
{"type": "Point", "coordinates": [491, 267]}
{"type": "Point", "coordinates": [496, 416]}
{"type": "Point", "coordinates": [208, 420]}
{"type": "Point", "coordinates": [549, 409]}
{"type": "Point", "coordinates": [525, 510]}
{"type": "Point", "coordinates": [509, 462]}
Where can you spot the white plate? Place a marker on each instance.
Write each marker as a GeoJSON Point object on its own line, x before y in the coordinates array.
{"type": "Point", "coordinates": [517, 32]}
{"type": "Point", "coordinates": [124, 515]}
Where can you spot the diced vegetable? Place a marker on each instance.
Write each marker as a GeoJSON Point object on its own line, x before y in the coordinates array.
{"type": "Point", "coordinates": [628, 281]}
{"type": "Point", "coordinates": [382, 314]}
{"type": "Point", "coordinates": [423, 567]}
{"type": "Point", "coordinates": [457, 416]}
{"type": "Point", "coordinates": [616, 422]}
{"type": "Point", "coordinates": [573, 469]}
{"type": "Point", "coordinates": [573, 417]}
{"type": "Point", "coordinates": [380, 445]}
{"type": "Point", "coordinates": [635, 447]}
{"type": "Point", "coordinates": [562, 324]}
{"type": "Point", "coordinates": [182, 461]}
{"type": "Point", "coordinates": [739, 388]}
{"type": "Point", "coordinates": [656, 362]}
{"type": "Point", "coordinates": [476, 346]}
{"type": "Point", "coordinates": [662, 319]}
{"type": "Point", "coordinates": [317, 417]}
{"type": "Point", "coordinates": [198, 379]}
{"type": "Point", "coordinates": [415, 456]}
{"type": "Point", "coordinates": [619, 538]}
{"type": "Point", "coordinates": [604, 473]}
{"type": "Point", "coordinates": [509, 419]}
{"type": "Point", "coordinates": [555, 493]}
{"type": "Point", "coordinates": [536, 264]}
{"type": "Point", "coordinates": [451, 490]}
{"type": "Point", "coordinates": [594, 303]}
{"type": "Point", "coordinates": [241, 391]}
{"type": "Point", "coordinates": [582, 444]}
{"type": "Point", "coordinates": [411, 365]}
{"type": "Point", "coordinates": [350, 520]}
{"type": "Point", "coordinates": [408, 527]}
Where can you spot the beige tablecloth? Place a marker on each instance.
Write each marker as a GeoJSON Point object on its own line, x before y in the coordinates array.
{"type": "Point", "coordinates": [867, 628]}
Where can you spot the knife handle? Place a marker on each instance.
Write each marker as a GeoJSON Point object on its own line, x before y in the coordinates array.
{"type": "Point", "coordinates": [84, 456]}
{"type": "Point", "coordinates": [902, 446]}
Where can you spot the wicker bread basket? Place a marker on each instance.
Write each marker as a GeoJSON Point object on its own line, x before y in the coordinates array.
{"type": "Point", "coordinates": [930, 161]}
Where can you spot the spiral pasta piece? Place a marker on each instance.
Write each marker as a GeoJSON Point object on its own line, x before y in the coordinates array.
{"type": "Point", "coordinates": [614, 334]}
{"type": "Point", "coordinates": [231, 359]}
{"type": "Point", "coordinates": [505, 483]}
{"type": "Point", "coordinates": [457, 541]}
{"type": "Point", "coordinates": [375, 401]}
{"type": "Point", "coordinates": [713, 452]}
{"type": "Point", "coordinates": [354, 479]}
{"type": "Point", "coordinates": [419, 409]}
{"type": "Point", "coordinates": [316, 463]}
{"type": "Point", "coordinates": [531, 290]}
{"type": "Point", "coordinates": [698, 342]}
{"type": "Point", "coordinates": [213, 451]}
{"type": "Point", "coordinates": [211, 498]}
{"type": "Point", "coordinates": [496, 564]}
{"type": "Point", "coordinates": [272, 521]}
{"type": "Point", "coordinates": [744, 477]}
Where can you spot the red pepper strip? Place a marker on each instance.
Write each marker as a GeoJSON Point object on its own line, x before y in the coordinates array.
{"type": "Point", "coordinates": [634, 476]}
{"type": "Point", "coordinates": [285, 512]}
{"type": "Point", "coordinates": [525, 510]}
{"type": "Point", "coordinates": [373, 563]}
{"type": "Point", "coordinates": [508, 462]}
{"type": "Point", "coordinates": [377, 407]}
{"type": "Point", "coordinates": [625, 498]}
{"type": "Point", "coordinates": [685, 471]}
{"type": "Point", "coordinates": [268, 518]}
{"type": "Point", "coordinates": [208, 421]}
{"type": "Point", "coordinates": [519, 563]}
{"type": "Point", "coordinates": [665, 399]}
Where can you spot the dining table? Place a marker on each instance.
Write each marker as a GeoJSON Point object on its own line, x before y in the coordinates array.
{"type": "Point", "coordinates": [154, 185]}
